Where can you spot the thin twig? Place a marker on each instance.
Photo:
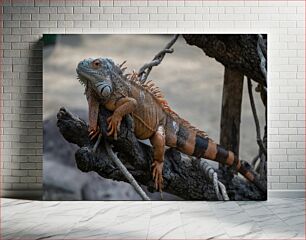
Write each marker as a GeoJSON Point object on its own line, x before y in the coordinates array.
{"type": "Point", "coordinates": [125, 172]}
{"type": "Point", "coordinates": [121, 167]}
{"type": "Point", "coordinates": [260, 50]}
{"type": "Point", "coordinates": [262, 44]}
{"type": "Point", "coordinates": [145, 70]}
{"type": "Point", "coordinates": [259, 141]}
{"type": "Point", "coordinates": [94, 149]}
{"type": "Point", "coordinates": [254, 161]}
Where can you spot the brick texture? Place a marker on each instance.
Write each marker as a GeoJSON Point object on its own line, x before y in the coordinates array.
{"type": "Point", "coordinates": [24, 22]}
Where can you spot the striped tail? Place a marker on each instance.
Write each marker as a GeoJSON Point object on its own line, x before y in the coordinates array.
{"type": "Point", "coordinates": [193, 144]}
{"type": "Point", "coordinates": [206, 148]}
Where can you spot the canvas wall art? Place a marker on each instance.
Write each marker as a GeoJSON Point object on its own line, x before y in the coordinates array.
{"type": "Point", "coordinates": [155, 117]}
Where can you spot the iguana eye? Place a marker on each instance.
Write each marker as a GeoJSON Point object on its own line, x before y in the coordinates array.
{"type": "Point", "coordinates": [96, 63]}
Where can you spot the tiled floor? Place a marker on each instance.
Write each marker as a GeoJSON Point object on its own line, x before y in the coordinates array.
{"type": "Point", "coordinates": [274, 219]}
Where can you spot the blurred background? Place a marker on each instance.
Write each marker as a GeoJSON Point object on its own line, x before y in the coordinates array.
{"type": "Point", "coordinates": [191, 82]}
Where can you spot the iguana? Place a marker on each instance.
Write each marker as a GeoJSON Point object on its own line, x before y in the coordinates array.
{"type": "Point", "coordinates": [106, 84]}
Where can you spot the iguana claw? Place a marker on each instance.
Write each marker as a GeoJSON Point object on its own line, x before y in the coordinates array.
{"type": "Point", "coordinates": [93, 133]}
{"type": "Point", "coordinates": [114, 123]}
{"type": "Point", "coordinates": [157, 173]}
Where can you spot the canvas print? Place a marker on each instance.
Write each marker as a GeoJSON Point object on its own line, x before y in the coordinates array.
{"type": "Point", "coordinates": [155, 117]}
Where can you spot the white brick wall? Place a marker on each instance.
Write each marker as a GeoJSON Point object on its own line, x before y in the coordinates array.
{"type": "Point", "coordinates": [24, 22]}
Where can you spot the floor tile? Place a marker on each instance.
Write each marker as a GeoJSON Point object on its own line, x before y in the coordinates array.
{"type": "Point", "coordinates": [273, 219]}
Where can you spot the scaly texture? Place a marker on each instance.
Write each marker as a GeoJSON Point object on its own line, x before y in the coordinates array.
{"type": "Point", "coordinates": [154, 90]}
{"type": "Point", "coordinates": [153, 118]}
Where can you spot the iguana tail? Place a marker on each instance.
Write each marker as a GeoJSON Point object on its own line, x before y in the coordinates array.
{"type": "Point", "coordinates": [193, 143]}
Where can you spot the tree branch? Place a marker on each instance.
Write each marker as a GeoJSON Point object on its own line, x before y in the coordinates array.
{"type": "Point", "coordinates": [183, 176]}
{"type": "Point", "coordinates": [235, 51]}
{"type": "Point", "coordinates": [145, 70]}
{"type": "Point", "coordinates": [125, 172]}
{"type": "Point", "coordinates": [262, 51]}
{"type": "Point", "coordinates": [252, 102]}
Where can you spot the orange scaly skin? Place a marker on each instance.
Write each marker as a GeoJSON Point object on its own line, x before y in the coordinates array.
{"type": "Point", "coordinates": [153, 118]}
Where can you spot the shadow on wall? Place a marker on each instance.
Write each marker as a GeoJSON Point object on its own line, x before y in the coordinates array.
{"type": "Point", "coordinates": [31, 117]}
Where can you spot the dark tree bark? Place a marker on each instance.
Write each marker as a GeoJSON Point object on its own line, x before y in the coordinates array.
{"type": "Point", "coordinates": [231, 110]}
{"type": "Point", "coordinates": [183, 176]}
{"type": "Point", "coordinates": [231, 117]}
{"type": "Point", "coordinates": [234, 51]}
{"type": "Point", "coordinates": [241, 54]}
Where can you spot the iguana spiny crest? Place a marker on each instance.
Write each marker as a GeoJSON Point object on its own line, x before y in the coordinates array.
{"type": "Point", "coordinates": [92, 71]}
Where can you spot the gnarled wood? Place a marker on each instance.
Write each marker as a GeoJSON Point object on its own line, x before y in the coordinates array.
{"type": "Point", "coordinates": [234, 51]}
{"type": "Point", "coordinates": [182, 176]}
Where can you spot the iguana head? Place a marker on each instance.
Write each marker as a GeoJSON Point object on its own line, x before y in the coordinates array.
{"type": "Point", "coordinates": [98, 73]}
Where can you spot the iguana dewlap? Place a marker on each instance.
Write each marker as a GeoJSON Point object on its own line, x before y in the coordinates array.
{"type": "Point", "coordinates": [153, 119]}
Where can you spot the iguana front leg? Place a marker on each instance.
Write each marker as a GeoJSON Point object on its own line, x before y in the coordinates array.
{"type": "Point", "coordinates": [93, 113]}
{"type": "Point", "coordinates": [122, 107]}
{"type": "Point", "coordinates": [158, 142]}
